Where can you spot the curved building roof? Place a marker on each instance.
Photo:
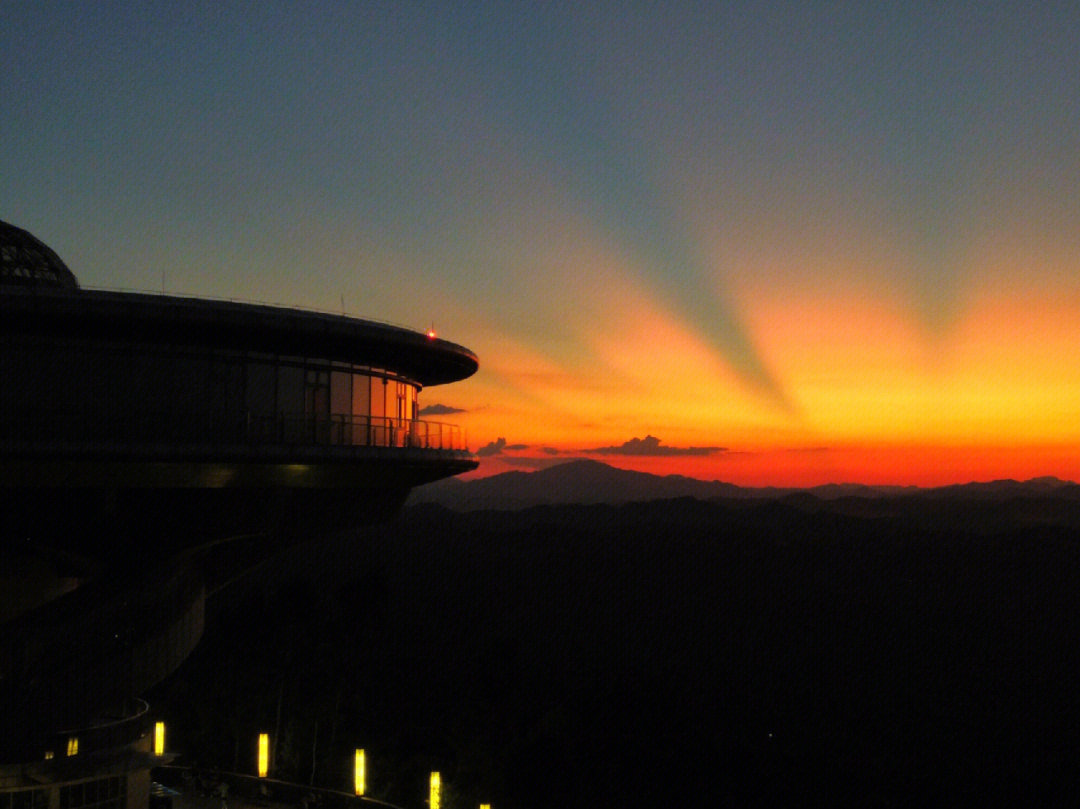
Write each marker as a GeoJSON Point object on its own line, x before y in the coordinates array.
{"type": "Point", "coordinates": [170, 320]}
{"type": "Point", "coordinates": [26, 261]}
{"type": "Point", "coordinates": [57, 306]}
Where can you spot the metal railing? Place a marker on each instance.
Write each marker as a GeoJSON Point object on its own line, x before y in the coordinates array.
{"type": "Point", "coordinates": [128, 728]}
{"type": "Point", "coordinates": [135, 428]}
{"type": "Point", "coordinates": [354, 431]}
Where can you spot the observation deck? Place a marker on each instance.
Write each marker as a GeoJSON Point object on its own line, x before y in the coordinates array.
{"type": "Point", "coordinates": [214, 450]}
{"type": "Point", "coordinates": [155, 443]}
{"type": "Point", "coordinates": [113, 399]}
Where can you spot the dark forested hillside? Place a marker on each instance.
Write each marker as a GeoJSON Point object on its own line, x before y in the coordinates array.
{"type": "Point", "coordinates": [678, 651]}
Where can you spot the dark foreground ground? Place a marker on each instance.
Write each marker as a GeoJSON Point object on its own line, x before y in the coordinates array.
{"type": "Point", "coordinates": [853, 652]}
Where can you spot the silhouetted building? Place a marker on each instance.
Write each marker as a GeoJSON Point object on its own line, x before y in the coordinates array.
{"type": "Point", "coordinates": [136, 430]}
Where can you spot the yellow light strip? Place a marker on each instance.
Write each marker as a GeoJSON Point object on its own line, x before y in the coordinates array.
{"type": "Point", "coordinates": [360, 773]}
{"type": "Point", "coordinates": [436, 791]}
{"type": "Point", "coordinates": [264, 754]}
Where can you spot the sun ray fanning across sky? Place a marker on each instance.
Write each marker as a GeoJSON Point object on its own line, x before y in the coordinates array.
{"type": "Point", "coordinates": [828, 241]}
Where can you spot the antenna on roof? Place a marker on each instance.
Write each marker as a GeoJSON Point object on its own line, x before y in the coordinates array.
{"type": "Point", "coordinates": [342, 303]}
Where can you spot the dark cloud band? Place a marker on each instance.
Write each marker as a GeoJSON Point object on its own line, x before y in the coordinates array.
{"type": "Point", "coordinates": [650, 446]}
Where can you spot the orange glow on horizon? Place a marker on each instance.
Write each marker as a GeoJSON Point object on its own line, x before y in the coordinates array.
{"type": "Point", "coordinates": [876, 394]}
{"type": "Point", "coordinates": [896, 465]}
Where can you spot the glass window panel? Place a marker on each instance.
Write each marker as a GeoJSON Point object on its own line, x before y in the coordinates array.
{"type": "Point", "coordinates": [259, 398]}
{"type": "Point", "coordinates": [317, 402]}
{"type": "Point", "coordinates": [361, 395]}
{"type": "Point", "coordinates": [224, 384]}
{"type": "Point", "coordinates": [378, 397]}
{"type": "Point", "coordinates": [188, 388]}
{"type": "Point", "coordinates": [290, 394]}
{"type": "Point", "coordinates": [340, 393]}
{"type": "Point", "coordinates": [149, 375]}
{"type": "Point", "coordinates": [317, 394]}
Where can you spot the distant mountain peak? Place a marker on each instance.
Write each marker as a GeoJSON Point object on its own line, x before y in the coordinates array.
{"type": "Point", "coordinates": [585, 480]}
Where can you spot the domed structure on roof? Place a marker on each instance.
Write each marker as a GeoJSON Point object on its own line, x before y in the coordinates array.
{"type": "Point", "coordinates": [26, 261]}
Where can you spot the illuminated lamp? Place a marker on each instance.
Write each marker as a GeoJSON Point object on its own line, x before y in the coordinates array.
{"type": "Point", "coordinates": [159, 738]}
{"type": "Point", "coordinates": [360, 773]}
{"type": "Point", "coordinates": [48, 754]}
{"type": "Point", "coordinates": [73, 746]}
{"type": "Point", "coordinates": [485, 806]}
{"type": "Point", "coordinates": [436, 791]}
{"type": "Point", "coordinates": [264, 754]}
{"type": "Point", "coordinates": [431, 332]}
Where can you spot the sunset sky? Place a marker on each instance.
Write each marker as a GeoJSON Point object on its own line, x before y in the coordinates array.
{"type": "Point", "coordinates": [767, 243]}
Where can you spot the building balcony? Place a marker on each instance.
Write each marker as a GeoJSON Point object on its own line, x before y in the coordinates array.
{"type": "Point", "coordinates": [135, 432]}
{"type": "Point", "coordinates": [139, 450]}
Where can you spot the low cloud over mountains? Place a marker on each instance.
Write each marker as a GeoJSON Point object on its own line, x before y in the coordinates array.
{"type": "Point", "coordinates": [650, 445]}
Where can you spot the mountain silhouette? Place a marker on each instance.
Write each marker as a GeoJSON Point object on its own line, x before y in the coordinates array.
{"type": "Point", "coordinates": [587, 482]}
